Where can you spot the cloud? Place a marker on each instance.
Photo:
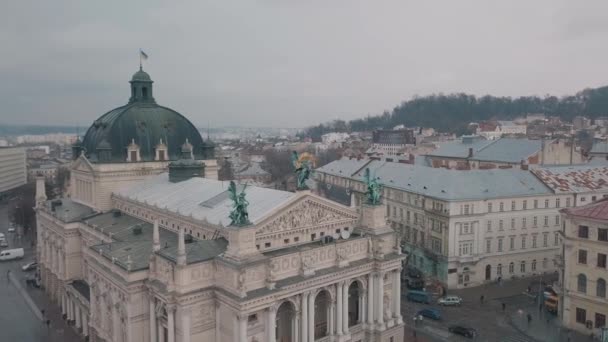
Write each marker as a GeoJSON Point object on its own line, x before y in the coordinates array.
{"type": "Point", "coordinates": [289, 63]}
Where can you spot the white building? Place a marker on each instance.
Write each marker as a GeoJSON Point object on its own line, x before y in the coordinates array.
{"type": "Point", "coordinates": [13, 172]}
{"type": "Point", "coordinates": [139, 255]}
{"type": "Point", "coordinates": [465, 228]}
{"type": "Point", "coordinates": [334, 138]}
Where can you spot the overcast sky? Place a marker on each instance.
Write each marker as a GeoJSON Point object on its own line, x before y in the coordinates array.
{"type": "Point", "coordinates": [289, 63]}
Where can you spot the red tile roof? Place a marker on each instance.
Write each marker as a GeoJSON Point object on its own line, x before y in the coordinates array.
{"type": "Point", "coordinates": [596, 210]}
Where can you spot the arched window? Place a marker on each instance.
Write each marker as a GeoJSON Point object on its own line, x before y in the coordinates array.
{"type": "Point", "coordinates": [581, 283]}
{"type": "Point", "coordinates": [601, 288]}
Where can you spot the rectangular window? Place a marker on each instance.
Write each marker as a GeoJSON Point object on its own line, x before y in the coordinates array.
{"type": "Point", "coordinates": [408, 216]}
{"type": "Point", "coordinates": [500, 244]}
{"type": "Point", "coordinates": [582, 256]}
{"type": "Point", "coordinates": [556, 239]}
{"type": "Point", "coordinates": [600, 320]}
{"type": "Point", "coordinates": [581, 315]}
{"type": "Point", "coordinates": [557, 204]}
{"type": "Point", "coordinates": [535, 223]}
{"type": "Point", "coordinates": [488, 246]}
{"type": "Point", "coordinates": [557, 220]}
{"type": "Point", "coordinates": [546, 203]}
{"type": "Point", "coordinates": [534, 241]}
{"type": "Point", "coordinates": [401, 213]}
{"type": "Point", "coordinates": [602, 234]}
{"type": "Point", "coordinates": [512, 223]}
{"type": "Point", "coordinates": [489, 226]}
{"type": "Point", "coordinates": [524, 205]}
{"type": "Point", "coordinates": [523, 222]}
{"type": "Point", "coordinates": [267, 244]}
{"type": "Point", "coordinates": [466, 209]}
{"type": "Point", "coordinates": [567, 202]}
{"type": "Point", "coordinates": [545, 239]}
{"type": "Point", "coordinates": [500, 225]}
{"type": "Point", "coordinates": [512, 205]}
{"type": "Point", "coordinates": [583, 232]}
{"type": "Point", "coordinates": [523, 242]}
{"type": "Point", "coordinates": [296, 239]}
{"type": "Point", "coordinates": [313, 237]}
{"type": "Point", "coordinates": [535, 204]}
{"type": "Point", "coordinates": [285, 241]}
{"type": "Point", "coordinates": [546, 221]}
{"type": "Point", "coordinates": [161, 155]}
{"type": "Point", "coordinates": [465, 248]}
{"type": "Point", "coordinates": [512, 243]}
{"type": "Point", "coordinates": [601, 260]}
{"type": "Point", "coordinates": [501, 207]}
{"type": "Point", "coordinates": [522, 267]}
{"type": "Point", "coordinates": [583, 199]}
{"type": "Point", "coordinates": [133, 156]}
{"type": "Point", "coordinates": [489, 207]}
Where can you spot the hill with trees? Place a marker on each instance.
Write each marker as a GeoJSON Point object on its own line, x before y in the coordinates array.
{"type": "Point", "coordinates": [452, 113]}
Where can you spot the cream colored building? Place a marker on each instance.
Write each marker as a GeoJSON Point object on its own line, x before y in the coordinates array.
{"type": "Point", "coordinates": [467, 228]}
{"type": "Point", "coordinates": [584, 274]}
{"type": "Point", "coordinates": [13, 172]}
{"type": "Point", "coordinates": [141, 254]}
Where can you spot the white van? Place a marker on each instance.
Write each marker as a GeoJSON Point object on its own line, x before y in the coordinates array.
{"type": "Point", "coordinates": [11, 254]}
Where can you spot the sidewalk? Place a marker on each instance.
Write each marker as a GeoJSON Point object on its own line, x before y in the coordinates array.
{"type": "Point", "coordinates": [544, 327]}
{"type": "Point", "coordinates": [408, 336]}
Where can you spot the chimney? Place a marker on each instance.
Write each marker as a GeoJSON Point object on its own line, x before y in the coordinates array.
{"type": "Point", "coordinates": [156, 237]}
{"type": "Point", "coordinates": [470, 153]}
{"type": "Point", "coordinates": [181, 248]}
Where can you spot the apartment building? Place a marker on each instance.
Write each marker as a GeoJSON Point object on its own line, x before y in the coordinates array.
{"type": "Point", "coordinates": [13, 171]}
{"type": "Point", "coordinates": [463, 228]}
{"type": "Point", "coordinates": [584, 305]}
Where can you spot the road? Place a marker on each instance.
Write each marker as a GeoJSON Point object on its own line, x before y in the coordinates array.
{"type": "Point", "coordinates": [20, 319]}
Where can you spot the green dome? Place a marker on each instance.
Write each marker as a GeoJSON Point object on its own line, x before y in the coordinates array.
{"type": "Point", "coordinates": [147, 124]}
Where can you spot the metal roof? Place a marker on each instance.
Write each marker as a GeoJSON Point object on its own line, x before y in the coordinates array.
{"type": "Point", "coordinates": [450, 185]}
{"type": "Point", "coordinates": [574, 178]}
{"type": "Point", "coordinates": [597, 210]}
{"type": "Point", "coordinates": [502, 150]}
{"type": "Point", "coordinates": [599, 147]}
{"type": "Point", "coordinates": [191, 198]}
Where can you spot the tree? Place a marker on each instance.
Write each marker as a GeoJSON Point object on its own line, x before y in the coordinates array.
{"type": "Point", "coordinates": [62, 179]}
{"type": "Point", "coordinates": [22, 206]}
{"type": "Point", "coordinates": [225, 172]}
{"type": "Point", "coordinates": [278, 164]}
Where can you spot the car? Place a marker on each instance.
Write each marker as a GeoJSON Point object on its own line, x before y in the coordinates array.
{"type": "Point", "coordinates": [418, 297]}
{"type": "Point", "coordinates": [414, 283]}
{"type": "Point", "coordinates": [2, 237]}
{"type": "Point", "coordinates": [450, 300]}
{"type": "Point", "coordinates": [29, 266]}
{"type": "Point", "coordinates": [11, 229]}
{"type": "Point", "coordinates": [431, 313]}
{"type": "Point", "coordinates": [462, 331]}
{"type": "Point", "coordinates": [3, 243]}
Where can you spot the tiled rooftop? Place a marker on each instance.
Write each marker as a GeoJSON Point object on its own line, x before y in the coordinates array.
{"type": "Point", "coordinates": [597, 210]}
{"type": "Point", "coordinates": [574, 178]}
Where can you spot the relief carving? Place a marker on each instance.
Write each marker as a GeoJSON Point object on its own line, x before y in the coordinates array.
{"type": "Point", "coordinates": [306, 213]}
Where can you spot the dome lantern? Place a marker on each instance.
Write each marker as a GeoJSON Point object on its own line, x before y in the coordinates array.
{"type": "Point", "coordinates": [141, 87]}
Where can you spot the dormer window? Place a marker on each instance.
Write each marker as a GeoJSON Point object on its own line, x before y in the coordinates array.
{"type": "Point", "coordinates": [161, 151]}
{"type": "Point", "coordinates": [133, 154]}
{"type": "Point", "coordinates": [187, 150]}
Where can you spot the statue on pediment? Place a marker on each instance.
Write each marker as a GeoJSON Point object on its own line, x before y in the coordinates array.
{"type": "Point", "coordinates": [374, 188]}
{"type": "Point", "coordinates": [239, 215]}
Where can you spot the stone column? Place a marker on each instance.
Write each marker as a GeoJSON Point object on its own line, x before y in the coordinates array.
{"type": "Point", "coordinates": [160, 333]}
{"type": "Point", "coordinates": [152, 321]}
{"type": "Point", "coordinates": [63, 306]}
{"type": "Point", "coordinates": [363, 311]}
{"type": "Point", "coordinates": [171, 323]}
{"type": "Point", "coordinates": [70, 309]}
{"type": "Point", "coordinates": [332, 318]}
{"type": "Point", "coordinates": [77, 314]}
{"type": "Point", "coordinates": [340, 307]}
{"type": "Point", "coordinates": [85, 326]}
{"type": "Point", "coordinates": [271, 329]}
{"type": "Point", "coordinates": [370, 300]}
{"type": "Point", "coordinates": [345, 309]}
{"type": "Point", "coordinates": [311, 317]}
{"type": "Point", "coordinates": [242, 328]}
{"type": "Point", "coordinates": [380, 302]}
{"type": "Point", "coordinates": [185, 317]}
{"type": "Point", "coordinates": [235, 329]}
{"type": "Point", "coordinates": [298, 326]}
{"type": "Point", "coordinates": [304, 329]}
{"type": "Point", "coordinates": [397, 297]}
{"type": "Point", "coordinates": [116, 322]}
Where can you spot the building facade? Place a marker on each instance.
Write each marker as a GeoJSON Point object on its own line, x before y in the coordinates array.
{"type": "Point", "coordinates": [584, 305]}
{"type": "Point", "coordinates": [13, 172]}
{"type": "Point", "coordinates": [139, 254]}
{"type": "Point", "coordinates": [467, 228]}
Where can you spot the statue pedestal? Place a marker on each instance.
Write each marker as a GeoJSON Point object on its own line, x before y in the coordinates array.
{"type": "Point", "coordinates": [373, 220]}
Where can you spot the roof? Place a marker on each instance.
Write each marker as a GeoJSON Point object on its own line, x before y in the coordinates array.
{"type": "Point", "coordinates": [344, 167]}
{"type": "Point", "coordinates": [254, 169]}
{"type": "Point", "coordinates": [501, 150]}
{"type": "Point", "coordinates": [597, 210]}
{"type": "Point", "coordinates": [131, 251]}
{"type": "Point", "coordinates": [68, 211]}
{"type": "Point", "coordinates": [450, 185]}
{"type": "Point", "coordinates": [599, 147]}
{"type": "Point", "coordinates": [202, 198]}
{"type": "Point", "coordinates": [574, 178]}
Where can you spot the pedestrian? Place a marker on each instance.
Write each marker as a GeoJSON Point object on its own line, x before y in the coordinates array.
{"type": "Point", "coordinates": [529, 319]}
{"type": "Point", "coordinates": [481, 299]}
{"type": "Point", "coordinates": [504, 306]}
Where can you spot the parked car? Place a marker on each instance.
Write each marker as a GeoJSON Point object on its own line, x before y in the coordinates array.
{"type": "Point", "coordinates": [418, 297]}
{"type": "Point", "coordinates": [3, 243]}
{"type": "Point", "coordinates": [431, 313]}
{"type": "Point", "coordinates": [11, 229]}
{"type": "Point", "coordinates": [414, 283]}
{"type": "Point", "coordinates": [2, 237]}
{"type": "Point", "coordinates": [413, 272]}
{"type": "Point", "coordinates": [462, 331]}
{"type": "Point", "coordinates": [10, 254]}
{"type": "Point", "coordinates": [450, 300]}
{"type": "Point", "coordinates": [29, 266]}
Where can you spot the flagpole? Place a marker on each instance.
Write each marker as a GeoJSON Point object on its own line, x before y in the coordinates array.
{"type": "Point", "coordinates": [140, 59]}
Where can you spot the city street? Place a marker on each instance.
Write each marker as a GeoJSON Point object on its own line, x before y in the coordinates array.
{"type": "Point", "coordinates": [21, 318]}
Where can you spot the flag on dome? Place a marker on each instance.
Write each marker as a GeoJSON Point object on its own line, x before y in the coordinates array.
{"type": "Point", "coordinates": [142, 54]}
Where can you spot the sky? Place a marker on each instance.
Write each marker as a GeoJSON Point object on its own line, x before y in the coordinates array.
{"type": "Point", "coordinates": [273, 63]}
